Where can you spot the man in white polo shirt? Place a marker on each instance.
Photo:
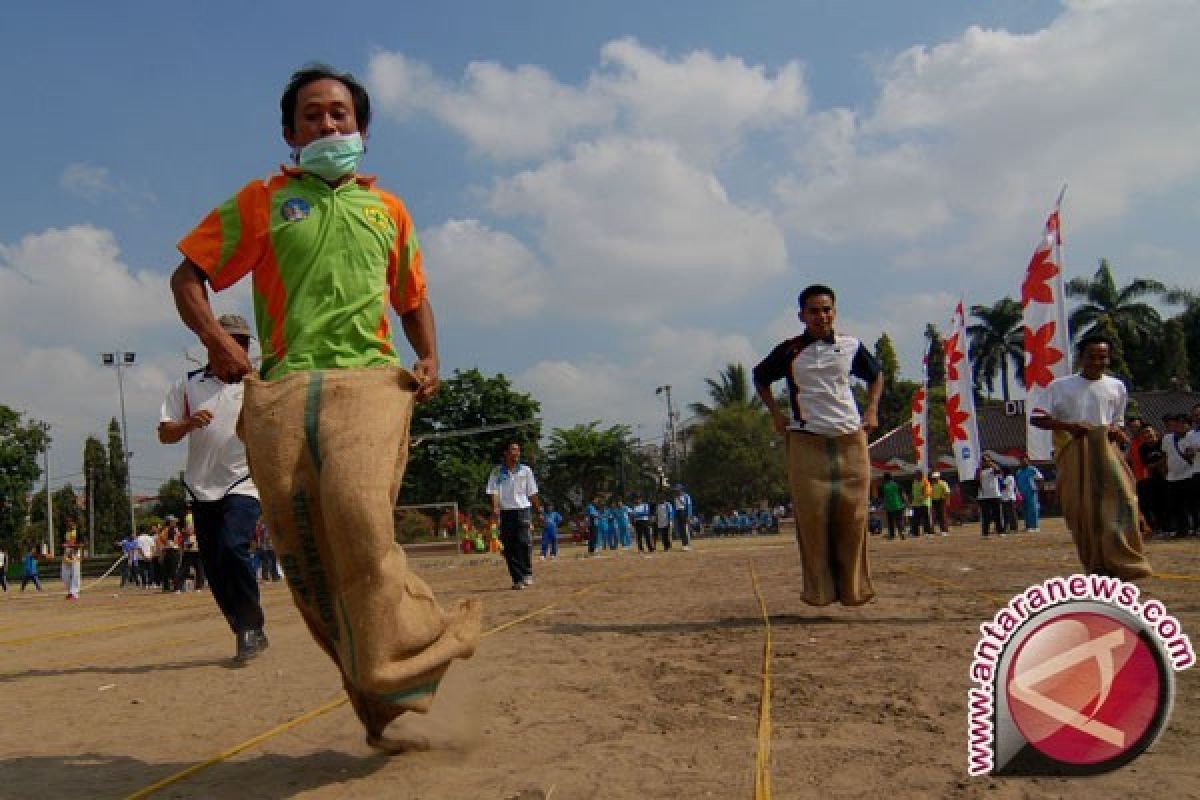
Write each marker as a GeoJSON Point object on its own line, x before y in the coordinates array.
{"type": "Point", "coordinates": [514, 494]}
{"type": "Point", "coordinates": [205, 409]}
{"type": "Point", "coordinates": [1095, 485]}
{"type": "Point", "coordinates": [828, 465]}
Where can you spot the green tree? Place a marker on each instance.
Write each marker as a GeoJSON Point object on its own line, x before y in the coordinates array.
{"type": "Point", "coordinates": [1176, 373]}
{"type": "Point", "coordinates": [98, 483]}
{"type": "Point", "coordinates": [736, 461]}
{"type": "Point", "coordinates": [895, 406]}
{"type": "Point", "coordinates": [66, 510]}
{"type": "Point", "coordinates": [1135, 323]}
{"type": "Point", "coordinates": [584, 460]}
{"type": "Point", "coordinates": [116, 523]}
{"type": "Point", "coordinates": [20, 445]}
{"type": "Point", "coordinates": [1189, 321]}
{"type": "Point", "coordinates": [443, 467]}
{"type": "Point", "coordinates": [172, 499]}
{"type": "Point", "coordinates": [731, 389]}
{"type": "Point", "coordinates": [936, 356]}
{"type": "Point", "coordinates": [996, 342]}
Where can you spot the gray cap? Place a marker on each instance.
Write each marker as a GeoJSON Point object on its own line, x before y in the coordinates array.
{"type": "Point", "coordinates": [235, 325]}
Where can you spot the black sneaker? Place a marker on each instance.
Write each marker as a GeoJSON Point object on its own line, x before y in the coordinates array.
{"type": "Point", "coordinates": [250, 645]}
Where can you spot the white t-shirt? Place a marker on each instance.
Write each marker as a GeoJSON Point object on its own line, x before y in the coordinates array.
{"type": "Point", "coordinates": [1008, 489]}
{"type": "Point", "coordinates": [1173, 446]}
{"type": "Point", "coordinates": [989, 484]}
{"type": "Point", "coordinates": [216, 461]}
{"type": "Point", "coordinates": [515, 487]}
{"type": "Point", "coordinates": [1074, 398]}
{"type": "Point", "coordinates": [145, 543]}
{"type": "Point", "coordinates": [663, 513]}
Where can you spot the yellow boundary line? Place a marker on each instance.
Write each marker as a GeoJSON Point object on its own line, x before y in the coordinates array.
{"type": "Point", "coordinates": [317, 712]}
{"type": "Point", "coordinates": [930, 579]}
{"type": "Point", "coordinates": [762, 758]}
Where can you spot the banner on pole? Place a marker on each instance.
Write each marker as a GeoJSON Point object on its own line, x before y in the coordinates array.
{"type": "Point", "coordinates": [961, 422]}
{"type": "Point", "coordinates": [1047, 341]}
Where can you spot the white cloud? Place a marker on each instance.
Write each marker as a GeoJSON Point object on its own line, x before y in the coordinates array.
{"type": "Point", "coordinates": [69, 286]}
{"type": "Point", "coordinates": [612, 388]}
{"type": "Point", "coordinates": [481, 275]}
{"type": "Point", "coordinates": [630, 230]}
{"type": "Point", "coordinates": [85, 180]}
{"type": "Point", "coordinates": [700, 102]}
{"type": "Point", "coordinates": [968, 134]}
{"type": "Point", "coordinates": [504, 113]}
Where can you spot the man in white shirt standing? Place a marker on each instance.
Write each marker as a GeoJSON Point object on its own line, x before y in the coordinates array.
{"type": "Point", "coordinates": [1099, 501]}
{"type": "Point", "coordinates": [1180, 444]}
{"type": "Point", "coordinates": [990, 511]}
{"type": "Point", "coordinates": [514, 496]}
{"type": "Point", "coordinates": [828, 466]}
{"type": "Point", "coordinates": [205, 409]}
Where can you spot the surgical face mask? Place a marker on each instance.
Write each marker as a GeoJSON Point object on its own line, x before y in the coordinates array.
{"type": "Point", "coordinates": [331, 157]}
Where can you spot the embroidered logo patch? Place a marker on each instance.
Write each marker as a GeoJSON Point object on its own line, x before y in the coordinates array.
{"type": "Point", "coordinates": [295, 209]}
{"type": "Point", "coordinates": [378, 217]}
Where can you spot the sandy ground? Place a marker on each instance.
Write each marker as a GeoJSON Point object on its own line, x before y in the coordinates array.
{"type": "Point", "coordinates": [641, 680]}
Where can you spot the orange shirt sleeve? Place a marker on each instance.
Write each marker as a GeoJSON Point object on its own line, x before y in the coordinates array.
{"type": "Point", "coordinates": [231, 241]}
{"type": "Point", "coordinates": [406, 275]}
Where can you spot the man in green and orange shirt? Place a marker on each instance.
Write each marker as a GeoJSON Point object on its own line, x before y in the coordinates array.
{"type": "Point", "coordinates": [329, 252]}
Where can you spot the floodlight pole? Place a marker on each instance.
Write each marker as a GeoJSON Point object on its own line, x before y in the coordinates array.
{"type": "Point", "coordinates": [120, 360]}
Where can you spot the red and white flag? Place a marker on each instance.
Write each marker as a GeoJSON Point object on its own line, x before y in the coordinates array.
{"type": "Point", "coordinates": [1047, 340]}
{"type": "Point", "coordinates": [920, 417]}
{"type": "Point", "coordinates": [961, 422]}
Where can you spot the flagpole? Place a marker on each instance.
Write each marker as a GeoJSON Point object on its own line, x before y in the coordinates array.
{"type": "Point", "coordinates": [1064, 338]}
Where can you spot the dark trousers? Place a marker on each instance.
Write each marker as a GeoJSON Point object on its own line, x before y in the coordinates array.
{"type": "Point", "coordinates": [920, 520]}
{"type": "Point", "coordinates": [939, 515]}
{"type": "Point", "coordinates": [517, 538]}
{"type": "Point", "coordinates": [224, 529]}
{"type": "Point", "coordinates": [37, 584]}
{"type": "Point", "coordinates": [683, 528]}
{"type": "Point", "coordinates": [895, 522]}
{"type": "Point", "coordinates": [170, 569]}
{"type": "Point", "coordinates": [190, 564]}
{"type": "Point", "coordinates": [645, 538]}
{"type": "Point", "coordinates": [4, 578]}
{"type": "Point", "coordinates": [1008, 508]}
{"type": "Point", "coordinates": [989, 512]}
{"type": "Point", "coordinates": [146, 568]}
{"type": "Point", "coordinates": [1179, 507]}
{"type": "Point", "coordinates": [664, 535]}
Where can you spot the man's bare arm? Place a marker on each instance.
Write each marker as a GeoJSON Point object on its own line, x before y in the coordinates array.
{"type": "Point", "coordinates": [421, 331]}
{"type": "Point", "coordinates": [871, 413]}
{"type": "Point", "coordinates": [226, 358]}
{"type": "Point", "coordinates": [768, 401]}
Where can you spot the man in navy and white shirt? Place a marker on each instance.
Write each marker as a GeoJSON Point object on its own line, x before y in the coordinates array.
{"type": "Point", "coordinates": [514, 496]}
{"type": "Point", "coordinates": [828, 464]}
{"type": "Point", "coordinates": [205, 409]}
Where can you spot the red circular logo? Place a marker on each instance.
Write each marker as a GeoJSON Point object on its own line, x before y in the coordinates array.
{"type": "Point", "coordinates": [1084, 688]}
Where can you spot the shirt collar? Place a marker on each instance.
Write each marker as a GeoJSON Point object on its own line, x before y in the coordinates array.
{"type": "Point", "coordinates": [807, 338]}
{"type": "Point", "coordinates": [291, 171]}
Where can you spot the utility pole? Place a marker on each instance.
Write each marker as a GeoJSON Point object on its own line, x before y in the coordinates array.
{"type": "Point", "coordinates": [671, 430]}
{"type": "Point", "coordinates": [49, 500]}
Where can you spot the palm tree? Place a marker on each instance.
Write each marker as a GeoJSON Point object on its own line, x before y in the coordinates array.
{"type": "Point", "coordinates": [730, 390]}
{"type": "Point", "coordinates": [996, 341]}
{"type": "Point", "coordinates": [1135, 322]}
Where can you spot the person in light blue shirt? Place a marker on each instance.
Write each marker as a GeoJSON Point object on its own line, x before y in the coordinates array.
{"type": "Point", "coordinates": [683, 516]}
{"type": "Point", "coordinates": [551, 519]}
{"type": "Point", "coordinates": [642, 526]}
{"type": "Point", "coordinates": [1029, 480]}
{"type": "Point", "coordinates": [620, 513]}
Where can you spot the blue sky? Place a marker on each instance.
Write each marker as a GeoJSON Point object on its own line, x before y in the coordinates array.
{"type": "Point", "coordinates": [610, 196]}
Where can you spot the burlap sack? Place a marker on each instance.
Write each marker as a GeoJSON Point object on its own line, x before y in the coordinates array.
{"type": "Point", "coordinates": [830, 477]}
{"type": "Point", "coordinates": [1099, 501]}
{"type": "Point", "coordinates": [327, 450]}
